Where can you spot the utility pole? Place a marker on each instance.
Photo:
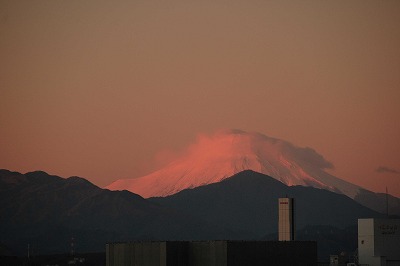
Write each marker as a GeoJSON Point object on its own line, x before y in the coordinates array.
{"type": "Point", "coordinates": [72, 247]}
{"type": "Point", "coordinates": [387, 203]}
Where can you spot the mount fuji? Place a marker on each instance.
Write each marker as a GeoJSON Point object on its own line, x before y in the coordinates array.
{"type": "Point", "coordinates": [214, 158]}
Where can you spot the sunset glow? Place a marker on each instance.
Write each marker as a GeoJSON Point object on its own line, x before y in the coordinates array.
{"type": "Point", "coordinates": [101, 89]}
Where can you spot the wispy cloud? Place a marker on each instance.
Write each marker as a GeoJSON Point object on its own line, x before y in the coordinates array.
{"type": "Point", "coordinates": [384, 169]}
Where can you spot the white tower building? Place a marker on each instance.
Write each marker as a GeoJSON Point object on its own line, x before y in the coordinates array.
{"type": "Point", "coordinates": [286, 219]}
{"type": "Point", "coordinates": [379, 242]}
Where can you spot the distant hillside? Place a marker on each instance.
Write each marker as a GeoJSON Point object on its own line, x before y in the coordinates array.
{"type": "Point", "coordinates": [379, 202]}
{"type": "Point", "coordinates": [47, 211]}
{"type": "Point", "coordinates": [248, 202]}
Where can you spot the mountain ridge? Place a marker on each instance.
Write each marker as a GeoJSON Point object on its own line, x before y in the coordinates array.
{"type": "Point", "coordinates": [249, 200]}
{"type": "Point", "coordinates": [46, 211]}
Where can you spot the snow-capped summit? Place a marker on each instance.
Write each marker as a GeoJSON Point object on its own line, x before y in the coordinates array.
{"type": "Point", "coordinates": [214, 158]}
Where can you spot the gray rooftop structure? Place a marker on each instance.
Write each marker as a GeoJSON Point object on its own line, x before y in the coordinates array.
{"type": "Point", "coordinates": [212, 253]}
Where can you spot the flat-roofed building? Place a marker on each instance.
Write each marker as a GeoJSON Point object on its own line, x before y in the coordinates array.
{"type": "Point", "coordinates": [379, 242]}
{"type": "Point", "coordinates": [147, 253]}
{"type": "Point", "coordinates": [213, 253]}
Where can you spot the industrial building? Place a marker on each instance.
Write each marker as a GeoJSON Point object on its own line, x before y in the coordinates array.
{"type": "Point", "coordinates": [285, 252]}
{"type": "Point", "coordinates": [379, 242]}
{"type": "Point", "coordinates": [286, 228]}
{"type": "Point", "coordinates": [212, 253]}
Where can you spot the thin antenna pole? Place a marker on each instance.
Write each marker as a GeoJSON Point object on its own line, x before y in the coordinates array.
{"type": "Point", "coordinates": [387, 203]}
{"type": "Point", "coordinates": [72, 246]}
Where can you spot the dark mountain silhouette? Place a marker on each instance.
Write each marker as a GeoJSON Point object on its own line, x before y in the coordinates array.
{"type": "Point", "coordinates": [379, 201]}
{"type": "Point", "coordinates": [247, 201]}
{"type": "Point", "coordinates": [47, 211]}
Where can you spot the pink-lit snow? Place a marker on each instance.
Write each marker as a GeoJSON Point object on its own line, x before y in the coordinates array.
{"type": "Point", "coordinates": [214, 158]}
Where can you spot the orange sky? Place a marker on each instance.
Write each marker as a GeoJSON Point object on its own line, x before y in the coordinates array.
{"type": "Point", "coordinates": [98, 88]}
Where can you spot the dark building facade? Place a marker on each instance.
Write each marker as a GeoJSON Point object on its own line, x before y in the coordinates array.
{"type": "Point", "coordinates": [212, 253]}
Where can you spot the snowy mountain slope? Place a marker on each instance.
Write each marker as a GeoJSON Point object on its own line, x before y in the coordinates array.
{"type": "Point", "coordinates": [212, 159]}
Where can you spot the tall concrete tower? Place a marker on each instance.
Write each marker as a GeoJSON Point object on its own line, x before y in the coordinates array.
{"type": "Point", "coordinates": [286, 219]}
